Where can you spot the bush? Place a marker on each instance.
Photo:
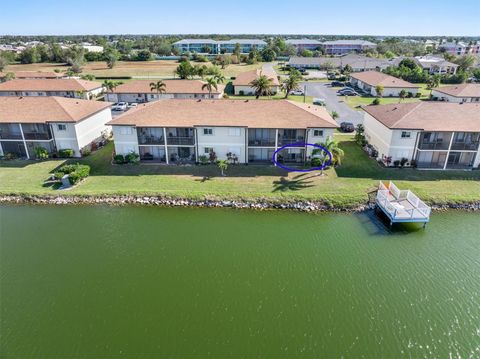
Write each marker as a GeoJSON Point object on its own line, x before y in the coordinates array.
{"type": "Point", "coordinates": [418, 94]}
{"type": "Point", "coordinates": [241, 93]}
{"type": "Point", "coordinates": [67, 169]}
{"type": "Point", "coordinates": [59, 175]}
{"type": "Point", "coordinates": [66, 153]}
{"type": "Point", "coordinates": [41, 153]}
{"type": "Point", "coordinates": [396, 163]}
{"type": "Point", "coordinates": [203, 159]}
{"type": "Point", "coordinates": [316, 162]}
{"type": "Point", "coordinates": [403, 161]}
{"type": "Point", "coordinates": [76, 172]}
{"type": "Point", "coordinates": [86, 152]}
{"type": "Point", "coordinates": [119, 159]}
{"type": "Point", "coordinates": [132, 157]}
{"type": "Point", "coordinates": [376, 101]}
{"type": "Point", "coordinates": [9, 156]}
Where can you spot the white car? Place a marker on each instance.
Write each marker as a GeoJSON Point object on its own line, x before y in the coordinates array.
{"type": "Point", "coordinates": [132, 105]}
{"type": "Point", "coordinates": [296, 92]}
{"type": "Point", "coordinates": [120, 106]}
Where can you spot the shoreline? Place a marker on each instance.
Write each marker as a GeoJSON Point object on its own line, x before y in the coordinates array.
{"type": "Point", "coordinates": [165, 201]}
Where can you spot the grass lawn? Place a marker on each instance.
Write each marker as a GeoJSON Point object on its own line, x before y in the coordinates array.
{"type": "Point", "coordinates": [345, 185]}
{"type": "Point", "coordinates": [157, 68]}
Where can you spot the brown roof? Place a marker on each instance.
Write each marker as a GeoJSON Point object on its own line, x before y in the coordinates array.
{"type": "Point", "coordinates": [428, 116]}
{"type": "Point", "coordinates": [463, 90]}
{"type": "Point", "coordinates": [250, 113]}
{"type": "Point", "coordinates": [47, 109]}
{"type": "Point", "coordinates": [245, 78]}
{"type": "Point", "coordinates": [49, 85]}
{"type": "Point", "coordinates": [375, 78]}
{"type": "Point", "coordinates": [171, 86]}
{"type": "Point", "coordinates": [35, 75]}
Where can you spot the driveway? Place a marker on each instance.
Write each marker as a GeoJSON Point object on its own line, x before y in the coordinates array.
{"type": "Point", "coordinates": [334, 102]}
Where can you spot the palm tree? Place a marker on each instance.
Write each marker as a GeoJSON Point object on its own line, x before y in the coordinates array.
{"type": "Point", "coordinates": [291, 83]}
{"type": "Point", "coordinates": [402, 94]}
{"type": "Point", "coordinates": [219, 78]}
{"type": "Point", "coordinates": [331, 146]}
{"type": "Point", "coordinates": [158, 86]}
{"type": "Point", "coordinates": [210, 84]}
{"type": "Point", "coordinates": [433, 82]}
{"type": "Point", "coordinates": [335, 115]}
{"type": "Point", "coordinates": [223, 165]}
{"type": "Point", "coordinates": [111, 85]}
{"type": "Point", "coordinates": [262, 86]}
{"type": "Point", "coordinates": [379, 90]}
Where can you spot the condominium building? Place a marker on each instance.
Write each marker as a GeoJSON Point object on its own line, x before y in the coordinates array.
{"type": "Point", "coordinates": [242, 85]}
{"type": "Point", "coordinates": [392, 86]}
{"type": "Point", "coordinates": [72, 88]}
{"type": "Point", "coordinates": [429, 135]}
{"type": "Point", "coordinates": [209, 46]}
{"type": "Point", "coordinates": [458, 93]}
{"type": "Point", "coordinates": [304, 44]}
{"type": "Point", "coordinates": [182, 131]}
{"type": "Point", "coordinates": [54, 123]}
{"type": "Point", "coordinates": [342, 47]}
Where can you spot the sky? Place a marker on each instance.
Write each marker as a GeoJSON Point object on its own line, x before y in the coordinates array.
{"type": "Point", "coordinates": [332, 17]}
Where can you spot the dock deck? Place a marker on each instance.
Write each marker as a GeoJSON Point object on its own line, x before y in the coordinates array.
{"type": "Point", "coordinates": [401, 205]}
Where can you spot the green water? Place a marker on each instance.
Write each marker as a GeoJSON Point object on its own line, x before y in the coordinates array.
{"type": "Point", "coordinates": [131, 282]}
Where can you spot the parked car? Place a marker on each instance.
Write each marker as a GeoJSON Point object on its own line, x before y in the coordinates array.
{"type": "Point", "coordinates": [119, 106]}
{"type": "Point", "coordinates": [347, 127]}
{"type": "Point", "coordinates": [296, 92]}
{"type": "Point", "coordinates": [347, 92]}
{"type": "Point", "coordinates": [319, 102]}
{"type": "Point", "coordinates": [337, 84]}
{"type": "Point", "coordinates": [132, 105]}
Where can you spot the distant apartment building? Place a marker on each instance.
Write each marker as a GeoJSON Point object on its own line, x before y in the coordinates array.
{"type": "Point", "coordinates": [358, 63]}
{"type": "Point", "coordinates": [460, 48]}
{"type": "Point", "coordinates": [182, 131]}
{"type": "Point", "coordinates": [342, 47]}
{"type": "Point", "coordinates": [304, 44]}
{"type": "Point", "coordinates": [458, 93]}
{"type": "Point", "coordinates": [242, 85]}
{"type": "Point", "coordinates": [392, 86]}
{"type": "Point", "coordinates": [31, 75]}
{"type": "Point", "coordinates": [54, 123]}
{"type": "Point", "coordinates": [72, 88]}
{"type": "Point", "coordinates": [140, 91]}
{"type": "Point", "coordinates": [431, 135]}
{"type": "Point", "coordinates": [209, 46]}
{"type": "Point", "coordinates": [436, 65]}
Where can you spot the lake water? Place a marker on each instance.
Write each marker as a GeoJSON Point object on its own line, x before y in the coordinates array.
{"type": "Point", "coordinates": [143, 282]}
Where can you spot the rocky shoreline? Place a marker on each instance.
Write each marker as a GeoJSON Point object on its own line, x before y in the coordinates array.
{"type": "Point", "coordinates": [259, 204]}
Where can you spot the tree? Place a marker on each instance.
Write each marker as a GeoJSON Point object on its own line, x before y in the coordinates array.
{"type": "Point", "coordinates": [210, 84]}
{"type": "Point", "coordinates": [402, 95]}
{"type": "Point", "coordinates": [237, 50]}
{"type": "Point", "coordinates": [88, 77]}
{"type": "Point", "coordinates": [223, 165]}
{"type": "Point", "coordinates": [144, 55]}
{"type": "Point", "coordinates": [111, 60]}
{"type": "Point", "coordinates": [465, 62]}
{"type": "Point", "coordinates": [185, 70]}
{"type": "Point", "coordinates": [433, 82]}
{"type": "Point", "coordinates": [111, 85]}
{"type": "Point", "coordinates": [347, 70]}
{"type": "Point", "coordinates": [331, 146]}
{"type": "Point", "coordinates": [268, 55]}
{"type": "Point", "coordinates": [219, 78]}
{"type": "Point", "coordinates": [335, 115]}
{"type": "Point", "coordinates": [262, 86]}
{"type": "Point", "coordinates": [379, 90]}
{"type": "Point", "coordinates": [292, 82]}
{"type": "Point", "coordinates": [476, 74]}
{"type": "Point", "coordinates": [158, 86]}
{"type": "Point", "coordinates": [201, 71]}
{"type": "Point", "coordinates": [3, 62]}
{"type": "Point", "coordinates": [306, 53]}
{"type": "Point", "coordinates": [7, 77]}
{"type": "Point", "coordinates": [29, 56]}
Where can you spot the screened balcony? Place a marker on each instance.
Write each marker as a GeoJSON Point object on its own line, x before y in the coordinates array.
{"type": "Point", "coordinates": [435, 140]}
{"type": "Point", "coordinates": [289, 136]}
{"type": "Point", "coordinates": [465, 141]}
{"type": "Point", "coordinates": [10, 131]}
{"type": "Point", "coordinates": [181, 136]}
{"type": "Point", "coordinates": [36, 131]}
{"type": "Point", "coordinates": [150, 136]}
{"type": "Point", "coordinates": [261, 137]}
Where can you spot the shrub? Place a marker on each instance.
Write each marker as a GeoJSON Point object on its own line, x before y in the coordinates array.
{"type": "Point", "coordinates": [241, 93]}
{"type": "Point", "coordinates": [119, 159]}
{"type": "Point", "coordinates": [376, 101]}
{"type": "Point", "coordinates": [86, 152]}
{"type": "Point", "coordinates": [403, 161]}
{"type": "Point", "coordinates": [132, 157]}
{"type": "Point", "coordinates": [76, 172]}
{"type": "Point", "coordinates": [396, 163]}
{"type": "Point", "coordinates": [316, 162]}
{"type": "Point", "coordinates": [203, 159]}
{"type": "Point", "coordinates": [67, 169]}
{"type": "Point", "coordinates": [418, 94]}
{"type": "Point", "coordinates": [66, 153]}
{"type": "Point", "coordinates": [41, 153]}
{"type": "Point", "coordinates": [59, 175]}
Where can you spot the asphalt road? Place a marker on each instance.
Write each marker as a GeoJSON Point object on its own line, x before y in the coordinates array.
{"type": "Point", "coordinates": [334, 102]}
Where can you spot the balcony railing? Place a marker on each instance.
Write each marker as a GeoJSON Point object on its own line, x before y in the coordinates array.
{"type": "Point", "coordinates": [440, 145]}
{"type": "Point", "coordinates": [10, 135]}
{"type": "Point", "coordinates": [465, 146]}
{"type": "Point", "coordinates": [262, 142]}
{"type": "Point", "coordinates": [150, 140]}
{"type": "Point", "coordinates": [187, 141]}
{"type": "Point", "coordinates": [288, 141]}
{"type": "Point", "coordinates": [37, 136]}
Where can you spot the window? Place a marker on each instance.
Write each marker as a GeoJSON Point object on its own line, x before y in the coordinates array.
{"type": "Point", "coordinates": [406, 134]}
{"type": "Point", "coordinates": [62, 127]}
{"type": "Point", "coordinates": [208, 131]}
{"type": "Point", "coordinates": [317, 133]}
{"type": "Point", "coordinates": [233, 131]}
{"type": "Point", "coordinates": [207, 150]}
{"type": "Point", "coordinates": [124, 130]}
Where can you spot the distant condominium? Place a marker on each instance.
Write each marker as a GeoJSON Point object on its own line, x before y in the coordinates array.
{"type": "Point", "coordinates": [209, 46]}
{"type": "Point", "coordinates": [342, 47]}
{"type": "Point", "coordinates": [304, 44]}
{"type": "Point", "coordinates": [459, 48]}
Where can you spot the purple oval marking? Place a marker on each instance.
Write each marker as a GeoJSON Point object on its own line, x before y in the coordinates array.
{"type": "Point", "coordinates": [296, 145]}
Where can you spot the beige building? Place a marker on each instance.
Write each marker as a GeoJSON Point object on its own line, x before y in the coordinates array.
{"type": "Point", "coordinates": [431, 135]}
{"type": "Point", "coordinates": [35, 75]}
{"type": "Point", "coordinates": [392, 86]}
{"type": "Point", "coordinates": [72, 88]}
{"type": "Point", "coordinates": [242, 83]}
{"type": "Point", "coordinates": [54, 123]}
{"type": "Point", "coordinates": [139, 91]}
{"type": "Point", "coordinates": [458, 93]}
{"type": "Point", "coordinates": [182, 131]}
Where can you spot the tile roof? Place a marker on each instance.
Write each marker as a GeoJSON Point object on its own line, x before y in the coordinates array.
{"type": "Point", "coordinates": [349, 42]}
{"type": "Point", "coordinates": [240, 113]}
{"type": "Point", "coordinates": [171, 87]}
{"type": "Point", "coordinates": [355, 61]}
{"type": "Point", "coordinates": [32, 109]}
{"type": "Point", "coordinates": [35, 75]}
{"type": "Point", "coordinates": [49, 85]}
{"type": "Point", "coordinates": [428, 116]}
{"type": "Point", "coordinates": [245, 78]}
{"type": "Point", "coordinates": [463, 90]}
{"type": "Point", "coordinates": [375, 78]}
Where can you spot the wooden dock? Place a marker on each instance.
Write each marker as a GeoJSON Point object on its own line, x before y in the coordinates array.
{"type": "Point", "coordinates": [401, 205]}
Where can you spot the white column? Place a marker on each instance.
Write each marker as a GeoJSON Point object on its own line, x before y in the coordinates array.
{"type": "Point", "coordinates": [24, 142]}
{"type": "Point", "coordinates": [166, 148]}
{"type": "Point", "coordinates": [448, 152]}
{"type": "Point", "coordinates": [276, 143]}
